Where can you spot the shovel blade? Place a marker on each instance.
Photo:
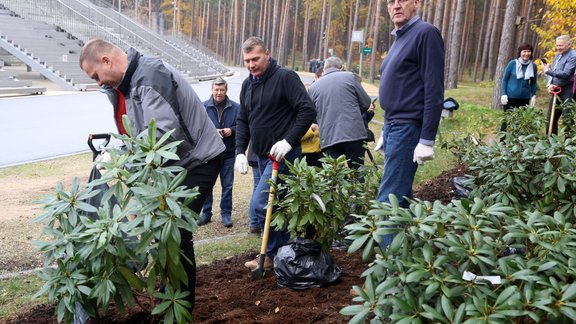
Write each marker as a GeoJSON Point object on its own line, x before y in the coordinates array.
{"type": "Point", "coordinates": [260, 271]}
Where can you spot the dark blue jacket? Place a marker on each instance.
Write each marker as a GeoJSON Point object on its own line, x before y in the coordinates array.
{"type": "Point", "coordinates": [412, 78]}
{"type": "Point", "coordinates": [227, 120]}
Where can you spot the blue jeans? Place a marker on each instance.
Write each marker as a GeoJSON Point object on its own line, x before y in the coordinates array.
{"type": "Point", "coordinates": [399, 169]}
{"type": "Point", "coordinates": [253, 222]}
{"type": "Point", "coordinates": [226, 181]}
{"type": "Point", "coordinates": [259, 200]}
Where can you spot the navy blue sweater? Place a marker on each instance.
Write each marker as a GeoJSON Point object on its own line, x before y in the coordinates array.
{"type": "Point", "coordinates": [412, 79]}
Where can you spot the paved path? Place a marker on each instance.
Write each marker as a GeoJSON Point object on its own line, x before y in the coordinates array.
{"type": "Point", "coordinates": [58, 123]}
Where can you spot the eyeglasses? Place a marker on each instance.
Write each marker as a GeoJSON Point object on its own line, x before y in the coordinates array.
{"type": "Point", "coordinates": [392, 2]}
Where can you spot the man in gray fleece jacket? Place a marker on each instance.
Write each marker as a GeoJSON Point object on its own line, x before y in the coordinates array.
{"type": "Point", "coordinates": [146, 88]}
{"type": "Point", "coordinates": [340, 101]}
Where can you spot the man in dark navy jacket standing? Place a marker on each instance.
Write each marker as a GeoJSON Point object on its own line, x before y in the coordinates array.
{"type": "Point", "coordinates": [275, 112]}
{"type": "Point", "coordinates": [223, 113]}
{"type": "Point", "coordinates": [411, 94]}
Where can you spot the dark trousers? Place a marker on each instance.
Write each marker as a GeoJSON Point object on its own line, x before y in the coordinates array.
{"type": "Point", "coordinates": [354, 152]}
{"type": "Point", "coordinates": [513, 104]}
{"type": "Point", "coordinates": [313, 159]}
{"type": "Point", "coordinates": [204, 177]}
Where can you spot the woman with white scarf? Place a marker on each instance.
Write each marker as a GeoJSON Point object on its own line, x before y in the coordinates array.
{"type": "Point", "coordinates": [519, 81]}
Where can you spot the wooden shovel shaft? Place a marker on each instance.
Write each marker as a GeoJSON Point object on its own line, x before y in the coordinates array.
{"type": "Point", "coordinates": [553, 111]}
{"type": "Point", "coordinates": [275, 166]}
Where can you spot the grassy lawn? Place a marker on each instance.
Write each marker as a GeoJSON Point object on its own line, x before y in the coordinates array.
{"type": "Point", "coordinates": [16, 294]}
{"type": "Point", "coordinates": [473, 115]}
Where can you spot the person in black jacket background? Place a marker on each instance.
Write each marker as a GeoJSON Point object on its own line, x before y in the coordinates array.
{"type": "Point", "coordinates": [275, 112]}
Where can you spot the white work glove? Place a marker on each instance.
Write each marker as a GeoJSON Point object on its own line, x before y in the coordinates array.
{"type": "Point", "coordinates": [423, 153]}
{"type": "Point", "coordinates": [533, 101]}
{"type": "Point", "coordinates": [504, 99]}
{"type": "Point", "coordinates": [103, 157]}
{"type": "Point", "coordinates": [380, 145]}
{"type": "Point", "coordinates": [241, 163]}
{"type": "Point", "coordinates": [280, 149]}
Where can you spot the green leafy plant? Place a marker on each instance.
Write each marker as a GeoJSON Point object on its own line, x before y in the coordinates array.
{"type": "Point", "coordinates": [419, 278]}
{"type": "Point", "coordinates": [128, 242]}
{"type": "Point", "coordinates": [322, 198]}
{"type": "Point", "coordinates": [517, 225]}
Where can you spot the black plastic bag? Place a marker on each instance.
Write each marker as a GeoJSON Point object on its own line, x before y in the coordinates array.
{"type": "Point", "coordinates": [461, 190]}
{"type": "Point", "coordinates": [302, 264]}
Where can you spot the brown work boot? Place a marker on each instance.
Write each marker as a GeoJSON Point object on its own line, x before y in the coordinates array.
{"type": "Point", "coordinates": [254, 230]}
{"type": "Point", "coordinates": [252, 265]}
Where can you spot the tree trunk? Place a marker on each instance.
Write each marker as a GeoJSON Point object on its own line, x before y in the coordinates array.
{"type": "Point", "coordinates": [439, 14]}
{"type": "Point", "coordinates": [322, 29]}
{"type": "Point", "coordinates": [430, 11]}
{"type": "Point", "coordinates": [507, 43]}
{"type": "Point", "coordinates": [262, 20]}
{"type": "Point", "coordinates": [455, 45]}
{"type": "Point", "coordinates": [494, 42]}
{"type": "Point", "coordinates": [479, 48]}
{"type": "Point", "coordinates": [328, 23]}
{"type": "Point", "coordinates": [463, 60]}
{"type": "Point", "coordinates": [266, 21]}
{"type": "Point", "coordinates": [527, 22]}
{"type": "Point", "coordinates": [448, 38]}
{"type": "Point", "coordinates": [150, 15]}
{"type": "Point", "coordinates": [218, 20]}
{"type": "Point", "coordinates": [274, 33]}
{"type": "Point", "coordinates": [486, 36]}
{"type": "Point", "coordinates": [351, 44]}
{"type": "Point", "coordinates": [446, 21]}
{"type": "Point", "coordinates": [296, 15]}
{"type": "Point", "coordinates": [242, 33]}
{"type": "Point", "coordinates": [283, 34]}
{"type": "Point", "coordinates": [305, 35]}
{"type": "Point", "coordinates": [207, 23]}
{"type": "Point", "coordinates": [229, 40]}
{"type": "Point", "coordinates": [375, 41]}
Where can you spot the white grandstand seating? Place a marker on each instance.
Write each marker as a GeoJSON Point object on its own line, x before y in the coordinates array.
{"type": "Point", "coordinates": [48, 34]}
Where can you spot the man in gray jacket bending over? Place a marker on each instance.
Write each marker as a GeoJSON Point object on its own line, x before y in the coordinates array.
{"type": "Point", "coordinates": [340, 101]}
{"type": "Point", "coordinates": [146, 88]}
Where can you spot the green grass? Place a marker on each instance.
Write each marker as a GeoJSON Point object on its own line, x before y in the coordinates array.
{"type": "Point", "coordinates": [220, 249]}
{"type": "Point", "coordinates": [47, 168]}
{"type": "Point", "coordinates": [16, 295]}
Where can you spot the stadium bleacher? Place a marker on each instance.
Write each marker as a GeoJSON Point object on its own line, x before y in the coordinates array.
{"type": "Point", "coordinates": [47, 35]}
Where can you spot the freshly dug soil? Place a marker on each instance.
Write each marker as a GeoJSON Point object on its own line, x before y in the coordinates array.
{"type": "Point", "coordinates": [225, 293]}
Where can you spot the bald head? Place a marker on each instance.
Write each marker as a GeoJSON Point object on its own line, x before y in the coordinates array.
{"type": "Point", "coordinates": [104, 62]}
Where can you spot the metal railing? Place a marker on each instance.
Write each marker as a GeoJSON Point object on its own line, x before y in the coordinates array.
{"type": "Point", "coordinates": [85, 20]}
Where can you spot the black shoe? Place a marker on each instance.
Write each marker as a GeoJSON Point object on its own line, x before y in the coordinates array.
{"type": "Point", "coordinates": [203, 221]}
{"type": "Point", "coordinates": [227, 224]}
